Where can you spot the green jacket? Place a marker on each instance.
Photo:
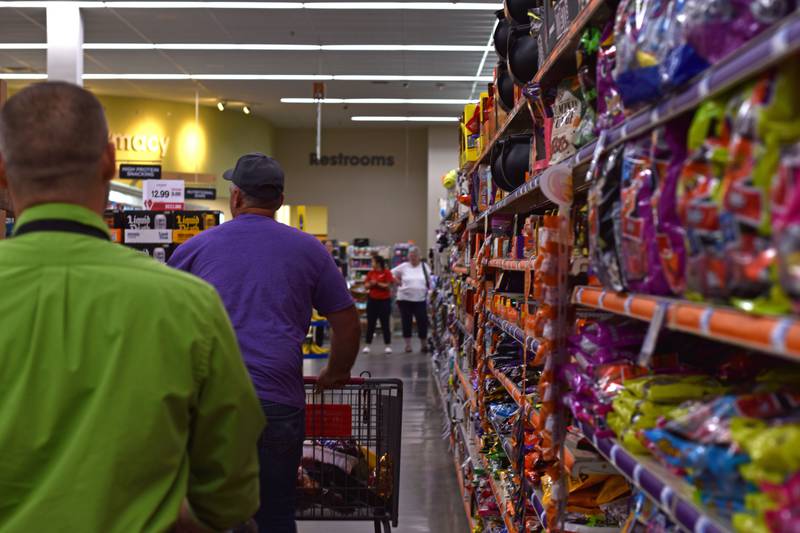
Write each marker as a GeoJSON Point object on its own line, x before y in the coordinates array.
{"type": "Point", "coordinates": [122, 390]}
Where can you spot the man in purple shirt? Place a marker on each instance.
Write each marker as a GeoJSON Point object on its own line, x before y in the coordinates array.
{"type": "Point", "coordinates": [269, 276]}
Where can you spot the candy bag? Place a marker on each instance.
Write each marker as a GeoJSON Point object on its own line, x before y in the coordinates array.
{"type": "Point", "coordinates": [567, 112]}
{"type": "Point", "coordinates": [604, 228]}
{"type": "Point", "coordinates": [774, 448]}
{"type": "Point", "coordinates": [786, 222]}
{"type": "Point", "coordinates": [670, 236]}
{"type": "Point", "coordinates": [640, 31]}
{"type": "Point", "coordinates": [764, 123]}
{"type": "Point", "coordinates": [715, 28]}
{"type": "Point", "coordinates": [642, 166]}
{"type": "Point", "coordinates": [609, 103]}
{"type": "Point", "coordinates": [698, 205]}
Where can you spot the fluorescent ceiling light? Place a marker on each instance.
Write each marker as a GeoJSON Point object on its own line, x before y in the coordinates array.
{"type": "Point", "coordinates": [404, 119]}
{"type": "Point", "coordinates": [426, 6]}
{"type": "Point", "coordinates": [23, 46]}
{"type": "Point", "coordinates": [279, 77]}
{"type": "Point", "coordinates": [19, 76]}
{"type": "Point", "coordinates": [267, 47]}
{"type": "Point", "coordinates": [423, 101]}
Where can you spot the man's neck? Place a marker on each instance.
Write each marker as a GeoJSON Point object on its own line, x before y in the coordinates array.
{"type": "Point", "coordinates": [269, 213]}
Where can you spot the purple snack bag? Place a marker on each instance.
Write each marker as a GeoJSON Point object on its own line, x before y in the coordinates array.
{"type": "Point", "coordinates": [715, 28]}
{"type": "Point", "coordinates": [609, 102]}
{"type": "Point", "coordinates": [641, 265]}
{"type": "Point", "coordinates": [670, 235]}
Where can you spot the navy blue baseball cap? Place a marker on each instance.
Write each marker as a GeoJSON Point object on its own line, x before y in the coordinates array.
{"type": "Point", "coordinates": [257, 175]}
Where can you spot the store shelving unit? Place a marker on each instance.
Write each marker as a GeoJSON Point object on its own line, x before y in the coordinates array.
{"type": "Point", "coordinates": [477, 271]}
{"type": "Point", "coordinates": [671, 493]}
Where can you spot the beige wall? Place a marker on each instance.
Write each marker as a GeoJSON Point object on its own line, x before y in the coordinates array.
{"type": "Point", "coordinates": [387, 204]}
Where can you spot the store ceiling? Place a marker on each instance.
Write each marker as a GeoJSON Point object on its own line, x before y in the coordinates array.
{"type": "Point", "coordinates": [300, 26]}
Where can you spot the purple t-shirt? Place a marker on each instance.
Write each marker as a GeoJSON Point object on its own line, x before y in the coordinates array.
{"type": "Point", "coordinates": [269, 276]}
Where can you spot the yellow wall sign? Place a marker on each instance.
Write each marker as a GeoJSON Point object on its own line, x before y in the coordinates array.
{"type": "Point", "coordinates": [142, 146]}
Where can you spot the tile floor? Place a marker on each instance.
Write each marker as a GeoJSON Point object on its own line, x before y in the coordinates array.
{"type": "Point", "coordinates": [429, 499]}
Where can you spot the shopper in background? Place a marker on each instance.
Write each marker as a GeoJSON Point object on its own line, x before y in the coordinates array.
{"type": "Point", "coordinates": [123, 389]}
{"type": "Point", "coordinates": [341, 265]}
{"type": "Point", "coordinates": [379, 282]}
{"type": "Point", "coordinates": [270, 276]}
{"type": "Point", "coordinates": [414, 281]}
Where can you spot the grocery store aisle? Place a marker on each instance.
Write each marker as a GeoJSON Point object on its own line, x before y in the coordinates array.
{"type": "Point", "coordinates": [429, 498]}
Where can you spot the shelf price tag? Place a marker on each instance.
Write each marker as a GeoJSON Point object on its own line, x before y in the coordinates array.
{"type": "Point", "coordinates": [163, 195]}
{"type": "Point", "coordinates": [650, 340]}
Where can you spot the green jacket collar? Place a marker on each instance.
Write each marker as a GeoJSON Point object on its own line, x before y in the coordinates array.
{"type": "Point", "coordinates": [72, 212]}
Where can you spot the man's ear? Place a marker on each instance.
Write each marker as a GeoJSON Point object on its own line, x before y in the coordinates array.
{"type": "Point", "coordinates": [108, 162]}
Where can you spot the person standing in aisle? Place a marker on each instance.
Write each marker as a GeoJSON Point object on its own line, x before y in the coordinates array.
{"type": "Point", "coordinates": [123, 390]}
{"type": "Point", "coordinates": [379, 282]}
{"type": "Point", "coordinates": [341, 265]}
{"type": "Point", "coordinates": [414, 280]}
{"type": "Point", "coordinates": [270, 276]}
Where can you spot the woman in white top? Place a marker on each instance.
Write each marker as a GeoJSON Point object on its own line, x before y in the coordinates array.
{"type": "Point", "coordinates": [413, 280]}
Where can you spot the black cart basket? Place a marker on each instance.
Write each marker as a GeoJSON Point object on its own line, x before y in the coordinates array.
{"type": "Point", "coordinates": [351, 455]}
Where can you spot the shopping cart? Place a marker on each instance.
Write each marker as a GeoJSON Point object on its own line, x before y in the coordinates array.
{"type": "Point", "coordinates": [351, 456]}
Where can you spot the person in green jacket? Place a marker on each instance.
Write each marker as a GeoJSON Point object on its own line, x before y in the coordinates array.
{"type": "Point", "coordinates": [124, 401]}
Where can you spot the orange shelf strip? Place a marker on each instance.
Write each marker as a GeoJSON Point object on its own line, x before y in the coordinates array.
{"type": "Point", "coordinates": [519, 265]}
{"type": "Point", "coordinates": [779, 335]}
{"type": "Point", "coordinates": [509, 385]}
{"type": "Point", "coordinates": [464, 498]}
{"type": "Point", "coordinates": [461, 269]}
{"type": "Point", "coordinates": [467, 387]}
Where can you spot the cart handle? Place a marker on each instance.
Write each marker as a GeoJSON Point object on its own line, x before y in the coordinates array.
{"type": "Point", "coordinates": [310, 380]}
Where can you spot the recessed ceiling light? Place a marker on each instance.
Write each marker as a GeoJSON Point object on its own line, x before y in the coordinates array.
{"type": "Point", "coordinates": [424, 101]}
{"type": "Point", "coordinates": [404, 119]}
{"type": "Point", "coordinates": [246, 110]}
{"type": "Point", "coordinates": [221, 105]}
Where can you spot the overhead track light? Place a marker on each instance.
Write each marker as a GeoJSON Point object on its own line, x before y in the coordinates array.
{"type": "Point", "coordinates": [404, 119]}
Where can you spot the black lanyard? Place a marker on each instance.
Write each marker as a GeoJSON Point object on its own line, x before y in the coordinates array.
{"type": "Point", "coordinates": [63, 225]}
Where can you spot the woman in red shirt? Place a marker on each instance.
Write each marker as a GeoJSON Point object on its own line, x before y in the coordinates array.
{"type": "Point", "coordinates": [379, 282]}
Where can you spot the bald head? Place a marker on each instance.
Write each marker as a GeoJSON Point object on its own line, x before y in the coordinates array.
{"type": "Point", "coordinates": [54, 147]}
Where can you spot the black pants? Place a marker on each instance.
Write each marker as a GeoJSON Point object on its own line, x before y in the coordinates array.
{"type": "Point", "coordinates": [379, 310]}
{"type": "Point", "coordinates": [410, 311]}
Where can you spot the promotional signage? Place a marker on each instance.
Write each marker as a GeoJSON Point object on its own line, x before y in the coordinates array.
{"type": "Point", "coordinates": [200, 193]}
{"type": "Point", "coordinates": [148, 236]}
{"type": "Point", "coordinates": [140, 172]}
{"type": "Point", "coordinates": [162, 195]}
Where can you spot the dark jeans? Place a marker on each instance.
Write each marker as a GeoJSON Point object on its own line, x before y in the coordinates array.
{"type": "Point", "coordinates": [279, 452]}
{"type": "Point", "coordinates": [379, 309]}
{"type": "Point", "coordinates": [414, 310]}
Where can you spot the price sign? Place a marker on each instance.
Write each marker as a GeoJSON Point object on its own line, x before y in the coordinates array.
{"type": "Point", "coordinates": [163, 195]}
